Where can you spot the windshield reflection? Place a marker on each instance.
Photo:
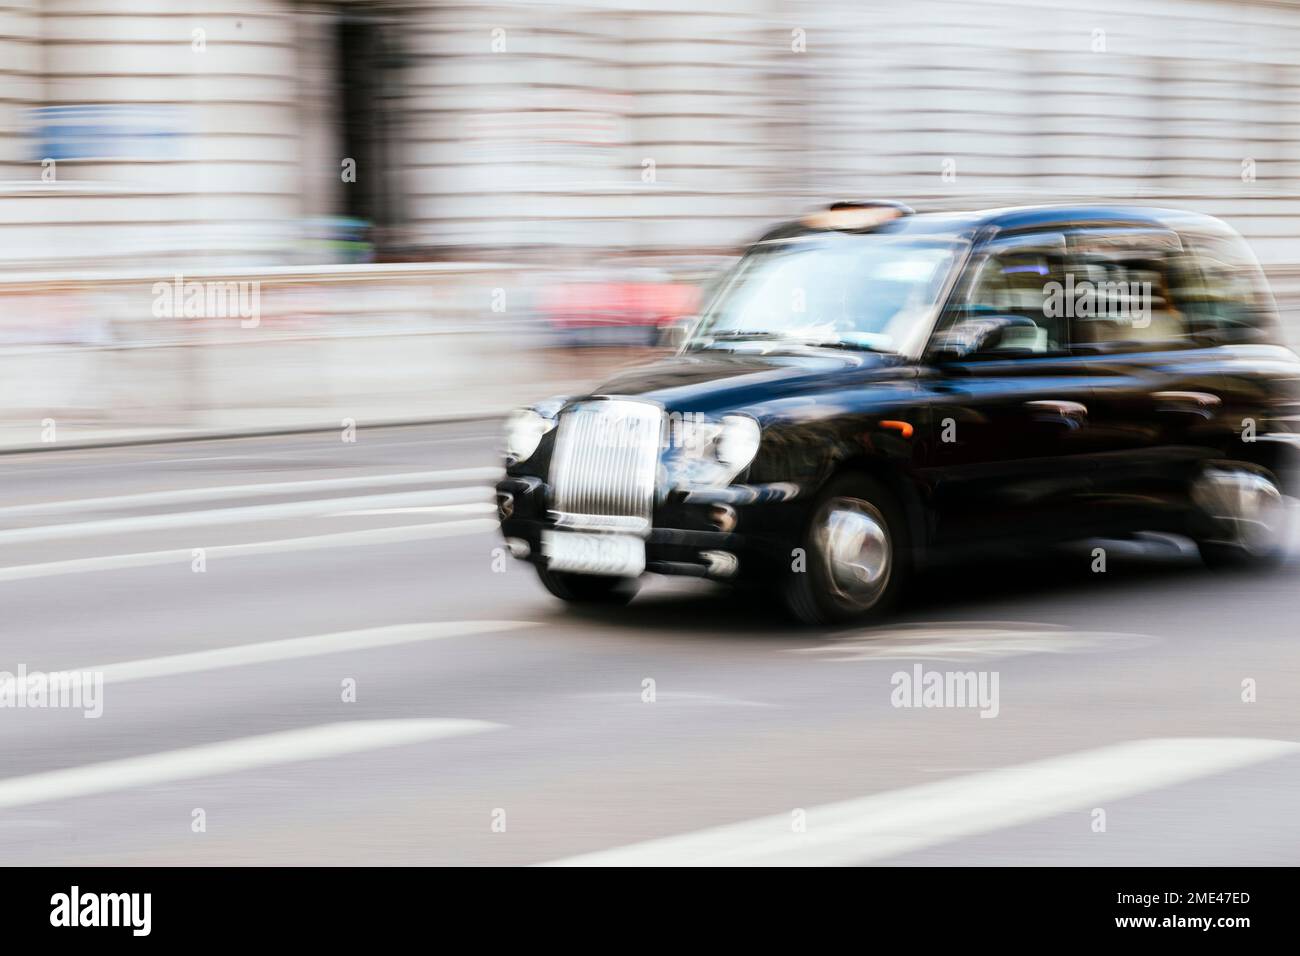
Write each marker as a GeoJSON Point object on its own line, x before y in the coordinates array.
{"type": "Point", "coordinates": [841, 291]}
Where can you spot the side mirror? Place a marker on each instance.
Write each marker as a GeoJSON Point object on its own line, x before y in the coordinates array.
{"type": "Point", "coordinates": [674, 334]}
{"type": "Point", "coordinates": [988, 333]}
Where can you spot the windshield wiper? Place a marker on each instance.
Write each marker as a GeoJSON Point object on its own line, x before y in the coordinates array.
{"type": "Point", "coordinates": [850, 346]}
{"type": "Point", "coordinates": [741, 335]}
{"type": "Point", "coordinates": [731, 334]}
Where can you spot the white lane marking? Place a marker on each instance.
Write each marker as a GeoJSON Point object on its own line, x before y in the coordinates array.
{"type": "Point", "coordinates": [293, 648]}
{"type": "Point", "coordinates": [317, 507]}
{"type": "Point", "coordinates": [900, 821]}
{"type": "Point", "coordinates": [342, 539]}
{"type": "Point", "coordinates": [967, 640]}
{"type": "Point", "coordinates": [478, 507]}
{"type": "Point", "coordinates": [623, 697]}
{"type": "Point", "coordinates": [227, 492]}
{"type": "Point", "coordinates": [230, 756]}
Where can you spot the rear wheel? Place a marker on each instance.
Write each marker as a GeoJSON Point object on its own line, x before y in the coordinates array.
{"type": "Point", "coordinates": [855, 554]}
{"type": "Point", "coordinates": [588, 588]}
{"type": "Point", "coordinates": [1243, 517]}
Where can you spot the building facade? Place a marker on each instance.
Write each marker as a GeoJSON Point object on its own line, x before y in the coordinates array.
{"type": "Point", "coordinates": [142, 133]}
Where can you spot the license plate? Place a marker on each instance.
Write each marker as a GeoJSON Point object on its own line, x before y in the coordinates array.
{"type": "Point", "coordinates": [614, 554]}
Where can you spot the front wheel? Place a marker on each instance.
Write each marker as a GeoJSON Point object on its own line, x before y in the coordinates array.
{"type": "Point", "coordinates": [855, 555]}
{"type": "Point", "coordinates": [588, 588]}
{"type": "Point", "coordinates": [1242, 516]}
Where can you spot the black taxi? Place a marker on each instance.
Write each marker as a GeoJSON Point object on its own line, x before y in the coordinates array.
{"type": "Point", "coordinates": [869, 389]}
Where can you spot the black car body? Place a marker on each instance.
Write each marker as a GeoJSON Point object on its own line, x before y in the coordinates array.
{"type": "Point", "coordinates": [870, 389]}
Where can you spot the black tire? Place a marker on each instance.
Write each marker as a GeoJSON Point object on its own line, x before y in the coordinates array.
{"type": "Point", "coordinates": [813, 596]}
{"type": "Point", "coordinates": [1221, 547]}
{"type": "Point", "coordinates": [588, 588]}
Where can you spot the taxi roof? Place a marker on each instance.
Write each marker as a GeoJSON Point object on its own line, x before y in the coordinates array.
{"type": "Point", "coordinates": [985, 223]}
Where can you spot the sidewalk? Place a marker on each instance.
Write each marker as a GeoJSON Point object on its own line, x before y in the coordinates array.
{"type": "Point", "coordinates": [95, 360]}
{"type": "Point", "coordinates": [67, 397]}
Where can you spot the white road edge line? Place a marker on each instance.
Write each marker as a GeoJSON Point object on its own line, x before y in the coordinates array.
{"type": "Point", "coordinates": [293, 648]}
{"type": "Point", "coordinates": [341, 539]}
{"type": "Point", "coordinates": [900, 821]}
{"type": "Point", "coordinates": [316, 507]}
{"type": "Point", "coordinates": [231, 756]}
{"type": "Point", "coordinates": [226, 492]}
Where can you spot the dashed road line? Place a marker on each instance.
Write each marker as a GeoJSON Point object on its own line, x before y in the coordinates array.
{"type": "Point", "coordinates": [231, 756]}
{"type": "Point", "coordinates": [900, 821]}
{"type": "Point", "coordinates": [217, 553]}
{"type": "Point", "coordinates": [316, 507]}
{"type": "Point", "coordinates": [228, 492]}
{"type": "Point", "coordinates": [293, 648]}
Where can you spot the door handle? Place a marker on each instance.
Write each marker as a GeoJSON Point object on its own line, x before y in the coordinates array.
{"type": "Point", "coordinates": [1058, 408]}
{"type": "Point", "coordinates": [1193, 403]}
{"type": "Point", "coordinates": [1058, 411]}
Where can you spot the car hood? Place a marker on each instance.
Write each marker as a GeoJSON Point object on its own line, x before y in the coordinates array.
{"type": "Point", "coordinates": [707, 380]}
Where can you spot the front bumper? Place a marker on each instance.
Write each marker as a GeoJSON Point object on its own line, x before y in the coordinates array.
{"type": "Point", "coordinates": [757, 525]}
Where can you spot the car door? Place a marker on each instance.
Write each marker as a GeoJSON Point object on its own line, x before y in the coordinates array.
{"type": "Point", "coordinates": [1010, 426]}
{"type": "Point", "coordinates": [1224, 389]}
{"type": "Point", "coordinates": [1243, 377]}
{"type": "Point", "coordinates": [1126, 332]}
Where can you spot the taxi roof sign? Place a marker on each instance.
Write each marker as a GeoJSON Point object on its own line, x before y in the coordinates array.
{"type": "Point", "coordinates": [856, 216]}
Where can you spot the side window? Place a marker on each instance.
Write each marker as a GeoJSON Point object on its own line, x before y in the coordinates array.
{"type": "Point", "coordinates": [1003, 296]}
{"type": "Point", "coordinates": [1123, 291]}
{"type": "Point", "coordinates": [1224, 295]}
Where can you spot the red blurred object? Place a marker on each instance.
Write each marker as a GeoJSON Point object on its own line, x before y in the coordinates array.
{"type": "Point", "coordinates": [649, 305]}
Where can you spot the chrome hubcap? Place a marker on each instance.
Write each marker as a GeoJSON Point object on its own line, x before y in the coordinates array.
{"type": "Point", "coordinates": [854, 540]}
{"type": "Point", "coordinates": [1245, 506]}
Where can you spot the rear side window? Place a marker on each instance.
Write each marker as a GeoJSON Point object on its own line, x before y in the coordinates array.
{"type": "Point", "coordinates": [1224, 293]}
{"type": "Point", "coordinates": [1123, 291]}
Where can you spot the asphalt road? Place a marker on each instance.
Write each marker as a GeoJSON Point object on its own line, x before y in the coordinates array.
{"type": "Point", "coordinates": [344, 675]}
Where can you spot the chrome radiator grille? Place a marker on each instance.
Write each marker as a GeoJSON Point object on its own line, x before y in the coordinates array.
{"type": "Point", "coordinates": [605, 462]}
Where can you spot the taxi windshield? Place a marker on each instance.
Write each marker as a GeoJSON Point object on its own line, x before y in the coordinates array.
{"type": "Point", "coordinates": [866, 292]}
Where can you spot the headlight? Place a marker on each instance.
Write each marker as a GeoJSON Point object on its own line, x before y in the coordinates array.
{"type": "Point", "coordinates": [524, 431]}
{"type": "Point", "coordinates": [738, 443]}
{"type": "Point", "coordinates": [707, 452]}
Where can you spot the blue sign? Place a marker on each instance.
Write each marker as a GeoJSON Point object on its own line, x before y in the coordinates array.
{"type": "Point", "coordinates": [108, 131]}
